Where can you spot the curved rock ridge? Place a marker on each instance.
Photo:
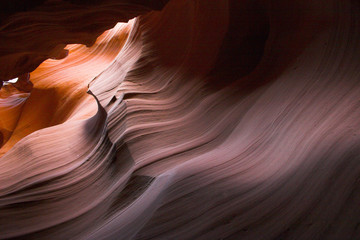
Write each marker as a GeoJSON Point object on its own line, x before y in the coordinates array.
{"type": "Point", "coordinates": [205, 120]}
{"type": "Point", "coordinates": [33, 31]}
{"type": "Point", "coordinates": [59, 88]}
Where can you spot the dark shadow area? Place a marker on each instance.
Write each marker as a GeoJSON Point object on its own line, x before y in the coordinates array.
{"type": "Point", "coordinates": [244, 43]}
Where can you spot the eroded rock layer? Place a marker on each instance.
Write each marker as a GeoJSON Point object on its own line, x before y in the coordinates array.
{"type": "Point", "coordinates": [32, 31]}
{"type": "Point", "coordinates": [205, 120]}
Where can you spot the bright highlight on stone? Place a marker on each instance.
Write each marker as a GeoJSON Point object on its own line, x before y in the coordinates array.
{"type": "Point", "coordinates": [198, 119]}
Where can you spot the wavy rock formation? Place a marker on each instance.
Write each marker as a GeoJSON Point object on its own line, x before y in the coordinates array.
{"type": "Point", "coordinates": [60, 86]}
{"type": "Point", "coordinates": [32, 31]}
{"type": "Point", "coordinates": [217, 119]}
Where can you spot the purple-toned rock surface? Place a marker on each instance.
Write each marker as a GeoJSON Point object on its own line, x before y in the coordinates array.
{"type": "Point", "coordinates": [221, 119]}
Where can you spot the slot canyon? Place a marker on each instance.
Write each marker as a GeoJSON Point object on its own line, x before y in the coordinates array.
{"type": "Point", "coordinates": [180, 119]}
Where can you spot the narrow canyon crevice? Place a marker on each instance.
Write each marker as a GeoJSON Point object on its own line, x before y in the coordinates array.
{"type": "Point", "coordinates": [180, 119]}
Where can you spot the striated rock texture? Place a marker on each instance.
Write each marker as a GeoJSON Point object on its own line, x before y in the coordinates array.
{"type": "Point", "coordinates": [222, 119]}
{"type": "Point", "coordinates": [32, 31]}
